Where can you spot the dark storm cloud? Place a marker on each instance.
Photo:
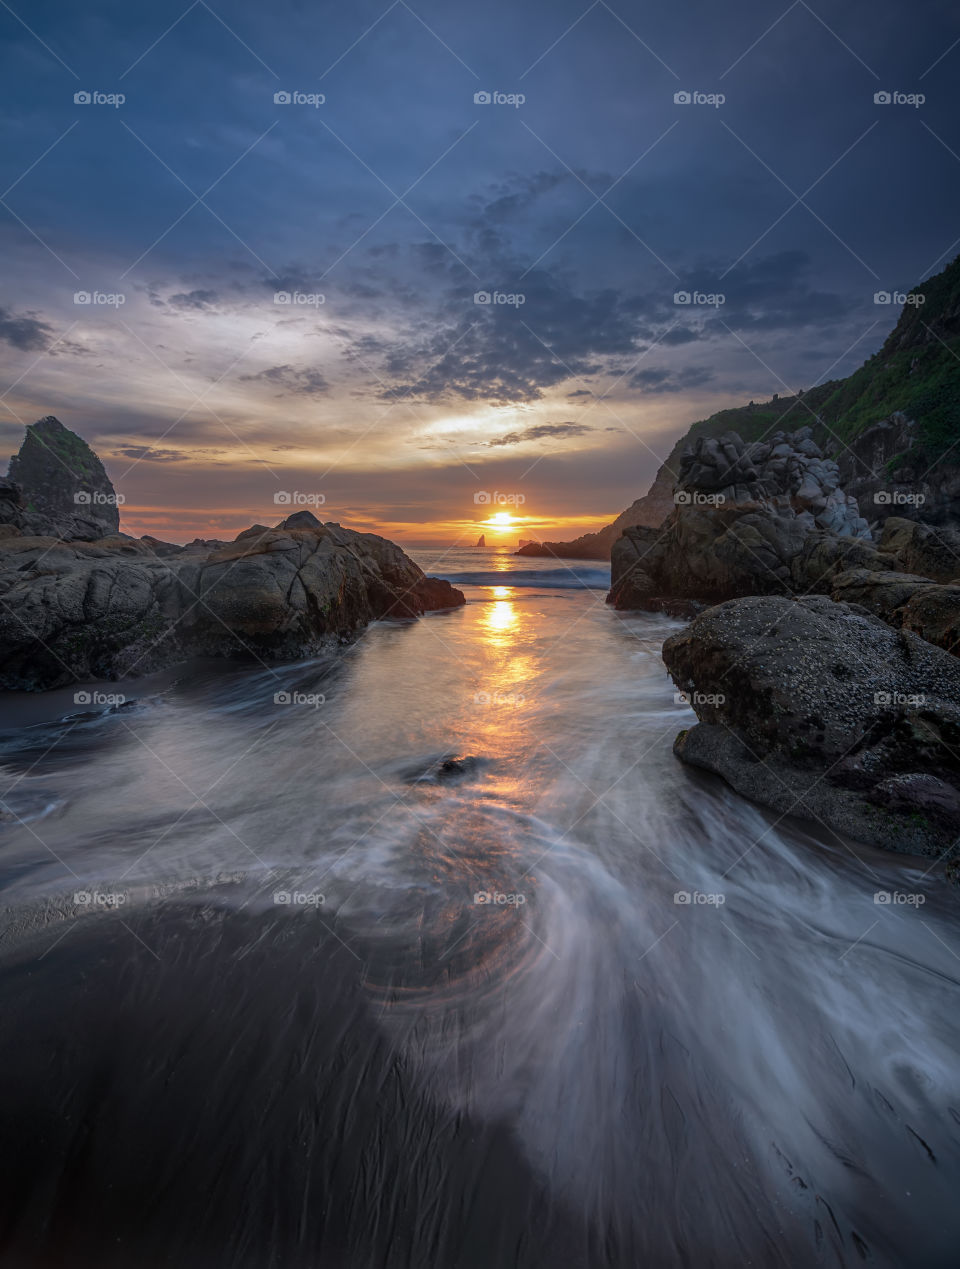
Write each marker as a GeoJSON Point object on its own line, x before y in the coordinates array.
{"type": "Point", "coordinates": [291, 381]}
{"type": "Point", "coordinates": [24, 331]}
{"type": "Point", "coordinates": [540, 430]}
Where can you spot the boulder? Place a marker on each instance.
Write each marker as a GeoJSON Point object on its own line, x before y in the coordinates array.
{"type": "Point", "coordinates": [73, 610]}
{"type": "Point", "coordinates": [63, 490]}
{"type": "Point", "coordinates": [818, 709]}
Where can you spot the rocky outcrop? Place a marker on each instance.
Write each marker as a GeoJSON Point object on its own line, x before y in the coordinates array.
{"type": "Point", "coordinates": [110, 608]}
{"type": "Point", "coordinates": [817, 709]}
{"type": "Point", "coordinates": [57, 486]}
{"type": "Point", "coordinates": [749, 518]}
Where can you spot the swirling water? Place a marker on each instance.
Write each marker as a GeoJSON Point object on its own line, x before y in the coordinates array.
{"type": "Point", "coordinates": [284, 985]}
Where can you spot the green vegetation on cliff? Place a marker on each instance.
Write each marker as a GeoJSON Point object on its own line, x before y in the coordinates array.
{"type": "Point", "coordinates": [917, 372]}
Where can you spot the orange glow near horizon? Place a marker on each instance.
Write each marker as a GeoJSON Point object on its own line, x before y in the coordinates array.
{"type": "Point", "coordinates": [182, 524]}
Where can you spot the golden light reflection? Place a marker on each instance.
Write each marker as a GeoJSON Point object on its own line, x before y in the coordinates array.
{"type": "Point", "coordinates": [501, 616]}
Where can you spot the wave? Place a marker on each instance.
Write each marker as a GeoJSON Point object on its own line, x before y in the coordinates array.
{"type": "Point", "coordinates": [545, 578]}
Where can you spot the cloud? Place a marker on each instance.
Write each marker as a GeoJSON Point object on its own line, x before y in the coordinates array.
{"type": "Point", "coordinates": [291, 381]}
{"type": "Point", "coordinates": [540, 430]}
{"type": "Point", "coordinates": [24, 331]}
{"type": "Point", "coordinates": [144, 453]}
{"type": "Point", "coordinates": [656, 380]}
{"type": "Point", "coordinates": [196, 300]}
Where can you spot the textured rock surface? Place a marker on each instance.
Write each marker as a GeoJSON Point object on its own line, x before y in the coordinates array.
{"type": "Point", "coordinates": [818, 709]}
{"type": "Point", "coordinates": [62, 486]}
{"type": "Point", "coordinates": [763, 518]}
{"type": "Point", "coordinates": [109, 608]}
{"type": "Point", "coordinates": [930, 550]}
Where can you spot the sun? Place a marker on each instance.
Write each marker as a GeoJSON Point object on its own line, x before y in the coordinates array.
{"type": "Point", "coordinates": [501, 517]}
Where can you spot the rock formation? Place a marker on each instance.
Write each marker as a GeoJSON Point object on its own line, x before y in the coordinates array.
{"type": "Point", "coordinates": [57, 485]}
{"type": "Point", "coordinates": [749, 518]}
{"type": "Point", "coordinates": [78, 599]}
{"type": "Point", "coordinates": [817, 709]}
{"type": "Point", "coordinates": [110, 608]}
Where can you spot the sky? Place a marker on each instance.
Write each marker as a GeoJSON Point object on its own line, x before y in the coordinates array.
{"type": "Point", "coordinates": [412, 265]}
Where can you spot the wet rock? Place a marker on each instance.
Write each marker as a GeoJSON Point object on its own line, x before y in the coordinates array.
{"type": "Point", "coordinates": [818, 709]}
{"type": "Point", "coordinates": [107, 609]}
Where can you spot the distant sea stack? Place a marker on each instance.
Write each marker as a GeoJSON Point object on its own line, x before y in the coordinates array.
{"type": "Point", "coordinates": [481, 541]}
